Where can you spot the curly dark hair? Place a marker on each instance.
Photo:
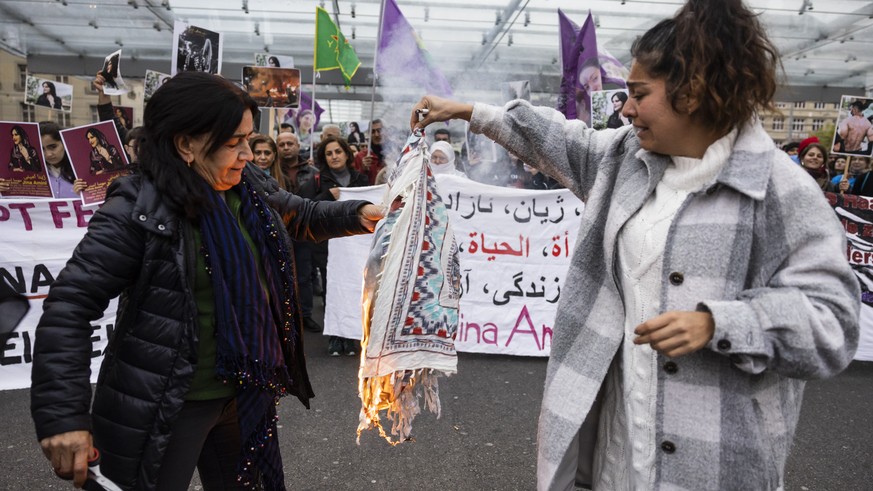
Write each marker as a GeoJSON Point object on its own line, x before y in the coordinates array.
{"type": "Point", "coordinates": [718, 52]}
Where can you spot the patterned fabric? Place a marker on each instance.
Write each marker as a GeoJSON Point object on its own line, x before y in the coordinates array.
{"type": "Point", "coordinates": [247, 324]}
{"type": "Point", "coordinates": [410, 300]}
{"type": "Point", "coordinates": [758, 247]}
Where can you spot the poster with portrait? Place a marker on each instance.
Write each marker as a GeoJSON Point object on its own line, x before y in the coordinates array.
{"type": "Point", "coordinates": [854, 132]}
{"type": "Point", "coordinates": [517, 89]}
{"type": "Point", "coordinates": [22, 167]}
{"type": "Point", "coordinates": [97, 156]}
{"type": "Point", "coordinates": [272, 87]}
{"type": "Point", "coordinates": [606, 106]}
{"type": "Point", "coordinates": [355, 131]}
{"type": "Point", "coordinates": [48, 93]}
{"type": "Point", "coordinates": [153, 80]}
{"type": "Point", "coordinates": [196, 49]}
{"type": "Point", "coordinates": [274, 61]}
{"type": "Point", "coordinates": [113, 83]}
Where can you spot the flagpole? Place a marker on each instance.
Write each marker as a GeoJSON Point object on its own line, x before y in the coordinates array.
{"type": "Point", "coordinates": [373, 92]}
{"type": "Point", "coordinates": [315, 118]}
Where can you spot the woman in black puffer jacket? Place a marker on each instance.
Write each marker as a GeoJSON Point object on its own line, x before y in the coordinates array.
{"type": "Point", "coordinates": [208, 332]}
{"type": "Point", "coordinates": [334, 159]}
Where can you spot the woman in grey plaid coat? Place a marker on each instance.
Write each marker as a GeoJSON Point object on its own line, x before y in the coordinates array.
{"type": "Point", "coordinates": [708, 281]}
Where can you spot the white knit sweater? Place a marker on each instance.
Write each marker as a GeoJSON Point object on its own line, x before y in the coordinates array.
{"type": "Point", "coordinates": [625, 453]}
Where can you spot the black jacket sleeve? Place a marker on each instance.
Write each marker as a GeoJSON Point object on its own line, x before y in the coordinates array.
{"type": "Point", "coordinates": [306, 219]}
{"type": "Point", "coordinates": [105, 262]}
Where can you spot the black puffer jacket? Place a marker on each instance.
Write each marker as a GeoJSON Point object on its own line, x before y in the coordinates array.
{"type": "Point", "coordinates": [139, 248]}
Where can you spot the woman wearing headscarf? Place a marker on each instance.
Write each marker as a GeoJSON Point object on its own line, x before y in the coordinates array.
{"type": "Point", "coordinates": [709, 280]}
{"type": "Point", "coordinates": [207, 335]}
{"type": "Point", "coordinates": [442, 159]}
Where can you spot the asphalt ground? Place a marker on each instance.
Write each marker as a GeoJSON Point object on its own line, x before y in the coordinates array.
{"type": "Point", "coordinates": [484, 440]}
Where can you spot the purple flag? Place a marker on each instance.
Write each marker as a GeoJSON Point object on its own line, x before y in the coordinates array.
{"type": "Point", "coordinates": [585, 68]}
{"type": "Point", "coordinates": [401, 54]}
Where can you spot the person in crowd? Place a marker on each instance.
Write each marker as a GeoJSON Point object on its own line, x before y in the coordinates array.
{"type": "Point", "coordinates": [356, 136]}
{"type": "Point", "coordinates": [49, 96]}
{"type": "Point", "coordinates": [208, 335]}
{"type": "Point", "coordinates": [333, 159]}
{"type": "Point", "coordinates": [813, 156]}
{"type": "Point", "coordinates": [616, 120]}
{"type": "Point", "coordinates": [837, 167]}
{"type": "Point", "coordinates": [442, 159]}
{"type": "Point", "coordinates": [370, 163]}
{"type": "Point", "coordinates": [538, 180]}
{"type": "Point", "coordinates": [267, 158]}
{"type": "Point", "coordinates": [104, 156]}
{"type": "Point", "coordinates": [791, 149]}
{"type": "Point", "coordinates": [302, 180]}
{"type": "Point", "coordinates": [355, 148]}
{"type": "Point", "coordinates": [700, 295]}
{"type": "Point", "coordinates": [442, 135]}
{"type": "Point", "coordinates": [105, 110]}
{"type": "Point", "coordinates": [863, 185]}
{"type": "Point", "coordinates": [843, 182]}
{"type": "Point", "coordinates": [23, 156]}
{"type": "Point", "coordinates": [131, 144]}
{"type": "Point", "coordinates": [855, 129]}
{"type": "Point", "coordinates": [287, 127]}
{"type": "Point", "coordinates": [330, 130]}
{"type": "Point", "coordinates": [60, 171]}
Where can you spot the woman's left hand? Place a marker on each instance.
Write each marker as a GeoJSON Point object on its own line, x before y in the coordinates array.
{"type": "Point", "coordinates": [676, 333]}
{"type": "Point", "coordinates": [369, 215]}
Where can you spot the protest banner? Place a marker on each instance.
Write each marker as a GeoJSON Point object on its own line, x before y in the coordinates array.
{"type": "Point", "coordinates": [515, 248]}
{"type": "Point", "coordinates": [97, 156]}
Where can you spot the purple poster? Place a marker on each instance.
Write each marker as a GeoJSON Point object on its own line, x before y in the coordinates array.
{"type": "Point", "coordinates": [97, 156]}
{"type": "Point", "coordinates": [22, 170]}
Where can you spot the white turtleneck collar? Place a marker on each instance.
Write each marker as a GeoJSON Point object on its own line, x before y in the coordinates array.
{"type": "Point", "coordinates": [690, 174]}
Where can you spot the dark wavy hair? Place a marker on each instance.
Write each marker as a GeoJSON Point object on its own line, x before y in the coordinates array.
{"type": "Point", "coordinates": [718, 52]}
{"type": "Point", "coordinates": [51, 129]}
{"type": "Point", "coordinates": [23, 134]}
{"type": "Point", "coordinates": [321, 160]}
{"type": "Point", "coordinates": [622, 96]}
{"type": "Point", "coordinates": [101, 138]}
{"type": "Point", "coordinates": [190, 104]}
{"type": "Point", "coordinates": [52, 90]}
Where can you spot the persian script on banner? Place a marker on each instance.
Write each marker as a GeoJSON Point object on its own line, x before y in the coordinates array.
{"type": "Point", "coordinates": [410, 300]}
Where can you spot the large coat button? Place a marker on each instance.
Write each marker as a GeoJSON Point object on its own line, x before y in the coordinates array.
{"type": "Point", "coordinates": [676, 278]}
{"type": "Point", "coordinates": [671, 367]}
{"type": "Point", "coordinates": [724, 344]}
{"type": "Point", "coordinates": [143, 218]}
{"type": "Point", "coordinates": [668, 446]}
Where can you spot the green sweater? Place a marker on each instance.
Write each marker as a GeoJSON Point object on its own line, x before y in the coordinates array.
{"type": "Point", "coordinates": [206, 384]}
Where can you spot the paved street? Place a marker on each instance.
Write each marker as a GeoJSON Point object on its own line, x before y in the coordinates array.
{"type": "Point", "coordinates": [485, 439]}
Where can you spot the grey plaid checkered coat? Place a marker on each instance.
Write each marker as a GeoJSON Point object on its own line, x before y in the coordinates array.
{"type": "Point", "coordinates": [759, 248]}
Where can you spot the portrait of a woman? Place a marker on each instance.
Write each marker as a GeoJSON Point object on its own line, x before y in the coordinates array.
{"type": "Point", "coordinates": [104, 156]}
{"type": "Point", "coordinates": [616, 120]}
{"type": "Point", "coordinates": [49, 96]}
{"type": "Point", "coordinates": [110, 72]}
{"type": "Point", "coordinates": [356, 136]}
{"type": "Point", "coordinates": [23, 156]}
